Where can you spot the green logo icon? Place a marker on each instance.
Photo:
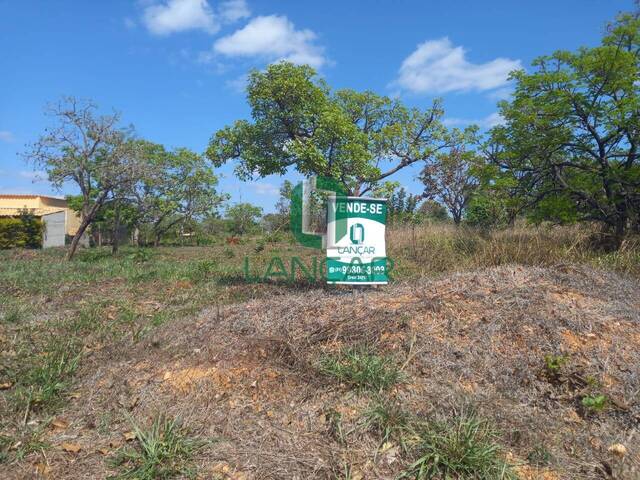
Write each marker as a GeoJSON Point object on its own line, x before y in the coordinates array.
{"type": "Point", "coordinates": [356, 233]}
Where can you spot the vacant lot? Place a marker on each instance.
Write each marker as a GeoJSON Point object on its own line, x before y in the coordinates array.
{"type": "Point", "coordinates": [509, 355]}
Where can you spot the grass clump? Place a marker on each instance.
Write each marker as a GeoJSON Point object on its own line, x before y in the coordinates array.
{"type": "Point", "coordinates": [462, 448]}
{"type": "Point", "coordinates": [43, 382]}
{"type": "Point", "coordinates": [22, 443]}
{"type": "Point", "coordinates": [388, 419]}
{"type": "Point", "coordinates": [13, 314]}
{"type": "Point", "coordinates": [162, 451]}
{"type": "Point", "coordinates": [362, 368]}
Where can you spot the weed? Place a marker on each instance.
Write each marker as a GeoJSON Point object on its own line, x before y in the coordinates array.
{"type": "Point", "coordinates": [334, 423]}
{"type": "Point", "coordinates": [540, 456]}
{"type": "Point", "coordinates": [44, 381]}
{"type": "Point", "coordinates": [5, 445]}
{"type": "Point", "coordinates": [592, 381]}
{"type": "Point", "coordinates": [464, 447]}
{"type": "Point", "coordinates": [388, 419]}
{"type": "Point", "coordinates": [361, 368]}
{"type": "Point", "coordinates": [25, 442]}
{"type": "Point", "coordinates": [346, 473]}
{"type": "Point", "coordinates": [201, 270]}
{"type": "Point", "coordinates": [554, 363]}
{"type": "Point", "coordinates": [594, 403]}
{"type": "Point", "coordinates": [260, 246]}
{"type": "Point", "coordinates": [105, 419]}
{"type": "Point", "coordinates": [93, 255]}
{"type": "Point", "coordinates": [12, 315]}
{"type": "Point", "coordinates": [141, 255]}
{"type": "Point", "coordinates": [163, 451]}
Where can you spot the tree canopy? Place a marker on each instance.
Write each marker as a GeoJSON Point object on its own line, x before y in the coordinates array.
{"type": "Point", "coordinates": [358, 138]}
{"type": "Point", "coordinates": [177, 186]}
{"type": "Point", "coordinates": [90, 150]}
{"type": "Point", "coordinates": [571, 133]}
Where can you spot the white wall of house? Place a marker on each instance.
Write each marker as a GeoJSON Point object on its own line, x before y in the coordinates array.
{"type": "Point", "coordinates": [54, 229]}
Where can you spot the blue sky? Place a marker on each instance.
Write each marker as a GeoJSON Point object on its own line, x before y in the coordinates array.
{"type": "Point", "coordinates": [175, 68]}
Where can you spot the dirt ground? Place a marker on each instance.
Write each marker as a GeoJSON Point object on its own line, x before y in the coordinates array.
{"type": "Point", "coordinates": [245, 376]}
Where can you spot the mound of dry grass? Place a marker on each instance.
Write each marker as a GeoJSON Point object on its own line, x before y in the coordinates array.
{"type": "Point", "coordinates": [522, 347]}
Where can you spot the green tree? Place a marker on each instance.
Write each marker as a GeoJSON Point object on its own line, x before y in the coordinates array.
{"type": "Point", "coordinates": [280, 220]}
{"type": "Point", "coordinates": [401, 205]}
{"type": "Point", "coordinates": [432, 210]}
{"type": "Point", "coordinates": [358, 138]}
{"type": "Point", "coordinates": [88, 150]}
{"type": "Point", "coordinates": [177, 187]}
{"type": "Point", "coordinates": [243, 218]}
{"type": "Point", "coordinates": [449, 178]}
{"type": "Point", "coordinates": [572, 132]}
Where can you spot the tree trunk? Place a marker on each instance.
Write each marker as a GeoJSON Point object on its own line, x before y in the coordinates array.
{"type": "Point", "coordinates": [88, 214]}
{"type": "Point", "coordinates": [619, 232]}
{"type": "Point", "coordinates": [115, 234]}
{"type": "Point", "coordinates": [156, 242]}
{"type": "Point", "coordinates": [76, 238]}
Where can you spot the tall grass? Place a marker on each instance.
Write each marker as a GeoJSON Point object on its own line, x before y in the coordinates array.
{"type": "Point", "coordinates": [437, 248]}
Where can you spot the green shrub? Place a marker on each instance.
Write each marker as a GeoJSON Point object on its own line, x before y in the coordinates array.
{"type": "Point", "coordinates": [486, 212]}
{"type": "Point", "coordinates": [23, 232]}
{"type": "Point", "coordinates": [594, 403]}
{"type": "Point", "coordinates": [141, 255]}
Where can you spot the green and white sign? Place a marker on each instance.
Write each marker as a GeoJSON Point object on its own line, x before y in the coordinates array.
{"type": "Point", "coordinates": [356, 251]}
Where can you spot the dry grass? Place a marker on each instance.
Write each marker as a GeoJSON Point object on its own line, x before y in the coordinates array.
{"type": "Point", "coordinates": [437, 248]}
{"type": "Point", "coordinates": [246, 376]}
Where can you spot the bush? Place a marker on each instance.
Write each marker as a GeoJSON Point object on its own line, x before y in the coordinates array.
{"type": "Point", "coordinates": [23, 232]}
{"type": "Point", "coordinates": [486, 212]}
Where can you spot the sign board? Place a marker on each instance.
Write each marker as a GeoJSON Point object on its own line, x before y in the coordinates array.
{"type": "Point", "coordinates": [356, 251]}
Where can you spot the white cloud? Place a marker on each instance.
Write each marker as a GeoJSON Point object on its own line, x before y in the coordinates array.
{"type": "Point", "coordinates": [171, 16]}
{"type": "Point", "coordinates": [489, 121]}
{"type": "Point", "coordinates": [437, 66]}
{"type": "Point", "coordinates": [179, 15]}
{"type": "Point", "coordinates": [273, 38]}
{"type": "Point", "coordinates": [6, 136]}
{"type": "Point", "coordinates": [234, 10]}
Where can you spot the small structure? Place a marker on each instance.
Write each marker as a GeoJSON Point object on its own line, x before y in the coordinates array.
{"type": "Point", "coordinates": [58, 218]}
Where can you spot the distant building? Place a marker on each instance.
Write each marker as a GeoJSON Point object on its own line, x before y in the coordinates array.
{"type": "Point", "coordinates": [58, 218]}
